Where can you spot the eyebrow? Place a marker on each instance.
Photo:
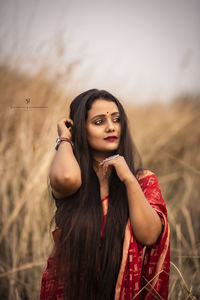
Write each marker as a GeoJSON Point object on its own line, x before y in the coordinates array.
{"type": "Point", "coordinates": [102, 115]}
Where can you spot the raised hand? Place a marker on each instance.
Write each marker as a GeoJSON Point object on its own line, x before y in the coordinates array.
{"type": "Point", "coordinates": [63, 129]}
{"type": "Point", "coordinates": [120, 165]}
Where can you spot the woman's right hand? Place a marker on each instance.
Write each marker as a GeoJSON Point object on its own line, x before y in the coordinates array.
{"type": "Point", "coordinates": [63, 130]}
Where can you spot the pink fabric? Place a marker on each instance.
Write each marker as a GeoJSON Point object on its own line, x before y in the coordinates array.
{"type": "Point", "coordinates": [143, 272]}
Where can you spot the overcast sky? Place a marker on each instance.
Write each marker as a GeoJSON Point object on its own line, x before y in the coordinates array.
{"type": "Point", "coordinates": [140, 50]}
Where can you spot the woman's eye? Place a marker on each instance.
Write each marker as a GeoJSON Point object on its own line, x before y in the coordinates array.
{"type": "Point", "coordinates": [116, 119]}
{"type": "Point", "coordinates": [98, 122]}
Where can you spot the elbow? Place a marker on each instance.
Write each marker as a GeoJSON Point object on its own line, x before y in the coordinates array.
{"type": "Point", "coordinates": [148, 236]}
{"type": "Point", "coordinates": [153, 238]}
{"type": "Point", "coordinates": [65, 182]}
{"type": "Point", "coordinates": [147, 240]}
{"type": "Point", "coordinates": [74, 181]}
{"type": "Point", "coordinates": [150, 241]}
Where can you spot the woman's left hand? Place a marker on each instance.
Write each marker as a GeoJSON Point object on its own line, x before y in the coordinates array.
{"type": "Point", "coordinates": [120, 166]}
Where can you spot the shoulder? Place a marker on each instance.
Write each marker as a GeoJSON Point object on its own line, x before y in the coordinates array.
{"type": "Point", "coordinates": [142, 173]}
{"type": "Point", "coordinates": [149, 184]}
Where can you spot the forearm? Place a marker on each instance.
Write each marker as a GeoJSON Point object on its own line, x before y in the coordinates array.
{"type": "Point", "coordinates": [65, 170]}
{"type": "Point", "coordinates": [145, 222]}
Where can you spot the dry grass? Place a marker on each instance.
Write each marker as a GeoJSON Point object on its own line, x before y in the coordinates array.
{"type": "Point", "coordinates": [168, 138]}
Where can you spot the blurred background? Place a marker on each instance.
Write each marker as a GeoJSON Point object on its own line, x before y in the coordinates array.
{"type": "Point", "coordinates": [147, 53]}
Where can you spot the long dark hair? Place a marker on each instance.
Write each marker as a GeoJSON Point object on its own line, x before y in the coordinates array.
{"type": "Point", "coordinates": [88, 264]}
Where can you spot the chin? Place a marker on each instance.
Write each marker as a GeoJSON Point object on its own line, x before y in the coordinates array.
{"type": "Point", "coordinates": [105, 148]}
{"type": "Point", "coordinates": [108, 149]}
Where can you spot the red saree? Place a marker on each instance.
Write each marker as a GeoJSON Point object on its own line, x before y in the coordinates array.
{"type": "Point", "coordinates": [144, 271]}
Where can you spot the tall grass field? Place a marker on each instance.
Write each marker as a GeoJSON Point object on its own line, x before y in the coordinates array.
{"type": "Point", "coordinates": [168, 139]}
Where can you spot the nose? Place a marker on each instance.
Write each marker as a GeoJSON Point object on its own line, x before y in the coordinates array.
{"type": "Point", "coordinates": [110, 126]}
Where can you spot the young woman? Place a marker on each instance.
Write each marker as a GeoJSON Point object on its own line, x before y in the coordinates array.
{"type": "Point", "coordinates": [112, 235]}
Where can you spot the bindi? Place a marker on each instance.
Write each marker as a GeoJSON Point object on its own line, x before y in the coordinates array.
{"type": "Point", "coordinates": [107, 112]}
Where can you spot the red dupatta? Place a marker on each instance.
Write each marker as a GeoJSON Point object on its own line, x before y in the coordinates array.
{"type": "Point", "coordinates": [144, 272]}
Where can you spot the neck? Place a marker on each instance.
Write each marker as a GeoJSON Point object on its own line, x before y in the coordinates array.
{"type": "Point", "coordinates": [99, 169]}
{"type": "Point", "coordinates": [98, 157]}
{"type": "Point", "coordinates": [96, 165]}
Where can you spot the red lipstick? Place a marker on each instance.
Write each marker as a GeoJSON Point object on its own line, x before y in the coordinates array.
{"type": "Point", "coordinates": [111, 138]}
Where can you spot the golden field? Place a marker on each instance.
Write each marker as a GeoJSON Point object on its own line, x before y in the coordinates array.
{"type": "Point", "coordinates": [168, 139]}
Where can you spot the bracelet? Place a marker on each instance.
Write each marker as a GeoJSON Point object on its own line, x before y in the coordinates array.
{"type": "Point", "coordinates": [63, 139]}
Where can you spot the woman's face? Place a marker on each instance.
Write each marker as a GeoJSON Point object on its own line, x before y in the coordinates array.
{"type": "Point", "coordinates": [103, 126]}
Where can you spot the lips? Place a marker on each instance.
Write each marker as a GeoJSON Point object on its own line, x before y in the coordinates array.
{"type": "Point", "coordinates": [111, 138]}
